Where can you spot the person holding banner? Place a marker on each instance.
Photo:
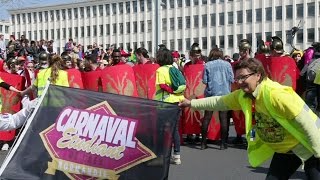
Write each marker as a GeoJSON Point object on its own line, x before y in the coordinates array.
{"type": "Point", "coordinates": [164, 92]}
{"type": "Point", "coordinates": [275, 126]}
{"type": "Point", "coordinates": [54, 74]}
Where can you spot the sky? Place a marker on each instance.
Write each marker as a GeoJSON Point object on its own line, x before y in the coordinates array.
{"type": "Point", "coordinates": [19, 4]}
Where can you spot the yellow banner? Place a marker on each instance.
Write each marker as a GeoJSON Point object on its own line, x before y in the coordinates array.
{"type": "Point", "coordinates": [80, 169]}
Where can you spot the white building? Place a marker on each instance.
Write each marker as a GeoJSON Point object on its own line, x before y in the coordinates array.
{"type": "Point", "coordinates": [132, 23]}
{"type": "Point", "coordinates": [5, 30]}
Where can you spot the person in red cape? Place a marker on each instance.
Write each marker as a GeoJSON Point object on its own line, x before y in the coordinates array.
{"type": "Point", "coordinates": [195, 55]}
{"type": "Point", "coordinates": [142, 56]}
{"type": "Point", "coordinates": [116, 58]}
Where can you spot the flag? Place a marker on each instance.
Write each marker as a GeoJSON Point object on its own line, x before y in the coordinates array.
{"type": "Point", "coordinates": [81, 134]}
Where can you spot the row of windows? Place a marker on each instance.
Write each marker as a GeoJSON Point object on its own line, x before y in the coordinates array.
{"type": "Point", "coordinates": [221, 39]}
{"type": "Point", "coordinates": [188, 3]}
{"type": "Point", "coordinates": [5, 29]}
{"type": "Point", "coordinates": [239, 14]}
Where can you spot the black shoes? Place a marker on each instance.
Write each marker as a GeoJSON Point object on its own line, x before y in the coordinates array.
{"type": "Point", "coordinates": [223, 146]}
{"type": "Point", "coordinates": [203, 146]}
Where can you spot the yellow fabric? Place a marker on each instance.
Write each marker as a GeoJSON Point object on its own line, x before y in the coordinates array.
{"type": "Point", "coordinates": [163, 77]}
{"type": "Point", "coordinates": [45, 74]}
{"type": "Point", "coordinates": [317, 78]}
{"type": "Point", "coordinates": [277, 129]}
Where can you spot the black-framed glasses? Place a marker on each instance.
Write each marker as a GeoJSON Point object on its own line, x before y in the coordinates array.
{"type": "Point", "coordinates": [243, 78]}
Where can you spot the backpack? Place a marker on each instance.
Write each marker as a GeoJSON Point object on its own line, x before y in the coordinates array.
{"type": "Point", "coordinates": [178, 82]}
{"type": "Point", "coordinates": [312, 70]}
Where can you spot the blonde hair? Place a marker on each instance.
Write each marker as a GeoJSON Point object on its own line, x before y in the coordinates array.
{"type": "Point", "coordinates": [56, 64]}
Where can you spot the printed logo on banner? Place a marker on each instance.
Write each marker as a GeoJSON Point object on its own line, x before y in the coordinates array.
{"type": "Point", "coordinates": [94, 142]}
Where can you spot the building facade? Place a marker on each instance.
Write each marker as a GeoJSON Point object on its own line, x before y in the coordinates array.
{"type": "Point", "coordinates": [175, 23]}
{"type": "Point", "coordinates": [5, 30]}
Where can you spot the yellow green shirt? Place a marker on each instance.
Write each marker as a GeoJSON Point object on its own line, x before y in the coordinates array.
{"type": "Point", "coordinates": [163, 77]}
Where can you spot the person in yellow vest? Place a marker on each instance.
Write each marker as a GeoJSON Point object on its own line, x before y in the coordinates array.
{"type": "Point", "coordinates": [279, 124]}
{"type": "Point", "coordinates": [53, 73]}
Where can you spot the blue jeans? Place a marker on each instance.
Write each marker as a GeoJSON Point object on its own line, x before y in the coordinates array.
{"type": "Point", "coordinates": [176, 139]}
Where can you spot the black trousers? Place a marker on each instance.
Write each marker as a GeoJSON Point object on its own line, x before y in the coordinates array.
{"type": "Point", "coordinates": [284, 165]}
{"type": "Point", "coordinates": [224, 125]}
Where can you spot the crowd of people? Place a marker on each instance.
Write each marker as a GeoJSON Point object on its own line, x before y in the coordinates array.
{"type": "Point", "coordinates": [274, 127]}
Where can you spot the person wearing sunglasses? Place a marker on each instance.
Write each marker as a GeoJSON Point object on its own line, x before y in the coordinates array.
{"type": "Point", "coordinates": [278, 122]}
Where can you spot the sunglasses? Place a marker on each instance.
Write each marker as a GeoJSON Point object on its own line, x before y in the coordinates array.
{"type": "Point", "coordinates": [243, 78]}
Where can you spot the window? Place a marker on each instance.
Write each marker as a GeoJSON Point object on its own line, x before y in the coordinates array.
{"type": "Point", "coordinates": [187, 2]}
{"type": "Point", "coordinates": [6, 29]}
{"type": "Point", "coordinates": [46, 16]}
{"type": "Point", "coordinates": [69, 14]}
{"type": "Point", "coordinates": [268, 36]}
{"type": "Point", "coordinates": [299, 10]}
{"type": "Point", "coordinates": [179, 2]}
{"type": "Point", "coordinates": [230, 41]}
{"type": "Point", "coordinates": [135, 27]}
{"type": "Point", "coordinates": [213, 1]}
{"type": "Point", "coordinates": [279, 34]}
{"type": "Point", "coordinates": [76, 34]}
{"type": "Point", "coordinates": [88, 11]}
{"type": "Point", "coordinates": [188, 22]}
{"type": "Point", "coordinates": [29, 17]}
{"type": "Point", "coordinates": [300, 36]}
{"type": "Point", "coordinates": [171, 44]}
{"type": "Point", "coordinates": [108, 29]}
{"type": "Point", "coordinates": [94, 11]}
{"type": "Point", "coordinates": [213, 19]}
{"type": "Point", "coordinates": [258, 15]}
{"type": "Point", "coordinates": [51, 31]}
{"type": "Point", "coordinates": [311, 9]}
{"type": "Point", "coordinates": [88, 31]}
{"type": "Point", "coordinates": [82, 31]}
{"type": "Point", "coordinates": [23, 18]}
{"type": "Point", "coordinates": [249, 37]}
{"type": "Point", "coordinates": [230, 17]}
{"type": "Point", "coordinates": [258, 37]}
{"type": "Point", "coordinates": [310, 33]}
{"type": "Point", "coordinates": [188, 43]}
{"type": "Point", "coordinates": [171, 23]}
{"type": "Point", "coordinates": [114, 8]}
{"type": "Point", "coordinates": [204, 2]}
{"type": "Point", "coordinates": [107, 9]}
{"type": "Point", "coordinates": [135, 8]}
{"type": "Point", "coordinates": [195, 40]}
{"type": "Point", "coordinates": [128, 27]}
{"type": "Point", "coordinates": [171, 4]}
{"type": "Point", "coordinates": [179, 22]}
{"type": "Point", "coordinates": [40, 16]}
{"type": "Point", "coordinates": [164, 24]}
{"type": "Point", "coordinates": [204, 20]}
{"type": "Point", "coordinates": [114, 27]}
{"type": "Point", "coordinates": [1, 28]}
{"type": "Point", "coordinates": [149, 6]}
{"type": "Point", "coordinates": [100, 30]}
{"type": "Point", "coordinates": [34, 17]}
{"type": "Point", "coordinates": [179, 44]}
{"type": "Point", "coordinates": [164, 42]}
{"type": "Point", "coordinates": [63, 14]}
{"type": "Point", "coordinates": [196, 2]}
{"type": "Point", "coordinates": [58, 15]}
{"type": "Point", "coordinates": [64, 33]}
{"type": "Point", "coordinates": [221, 41]}
{"type": "Point", "coordinates": [204, 43]}
{"type": "Point", "coordinates": [95, 30]}
{"type": "Point", "coordinates": [13, 19]}
{"type": "Point", "coordinates": [75, 13]}
{"type": "Point", "coordinates": [121, 8]}
{"type": "Point", "coordinates": [58, 34]}
{"type": "Point", "coordinates": [268, 14]}
{"type": "Point", "coordinates": [100, 10]}
{"type": "Point", "coordinates": [35, 35]}
{"type": "Point", "coordinates": [142, 5]}
{"type": "Point", "coordinates": [141, 26]}
{"type": "Point", "coordinates": [289, 11]}
{"type": "Point", "coordinates": [221, 19]}
{"type": "Point", "coordinates": [128, 7]}
{"type": "Point", "coordinates": [239, 17]}
{"type": "Point", "coordinates": [70, 32]}
{"type": "Point", "coordinates": [239, 38]}
{"type": "Point", "coordinates": [278, 12]}
{"type": "Point", "coordinates": [149, 25]}
{"type": "Point", "coordinates": [196, 21]}
{"type": "Point", "coordinates": [249, 15]}
{"type": "Point", "coordinates": [82, 12]}
{"type": "Point", "coordinates": [213, 41]}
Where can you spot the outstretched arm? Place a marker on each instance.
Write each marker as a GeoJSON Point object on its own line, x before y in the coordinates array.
{"type": "Point", "coordinates": [14, 121]}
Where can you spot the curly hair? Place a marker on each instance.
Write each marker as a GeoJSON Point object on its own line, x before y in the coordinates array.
{"type": "Point", "coordinates": [253, 65]}
{"type": "Point", "coordinates": [164, 57]}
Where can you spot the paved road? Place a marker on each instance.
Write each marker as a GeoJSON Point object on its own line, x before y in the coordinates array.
{"type": "Point", "coordinates": [212, 164]}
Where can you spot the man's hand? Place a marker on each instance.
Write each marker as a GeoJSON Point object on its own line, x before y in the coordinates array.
{"type": "Point", "coordinates": [184, 103]}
